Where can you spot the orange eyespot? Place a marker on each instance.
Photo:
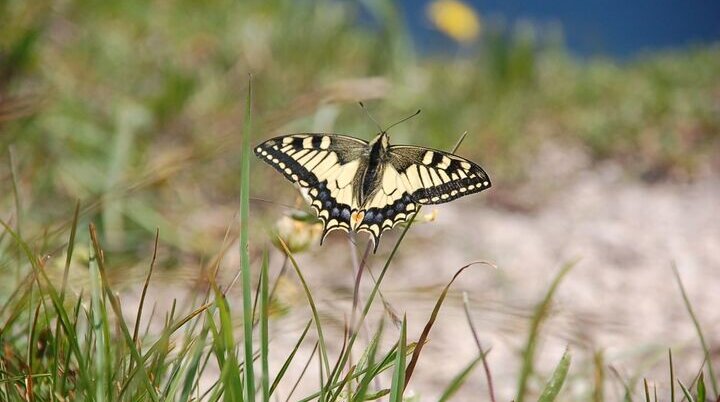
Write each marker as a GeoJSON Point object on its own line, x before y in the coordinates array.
{"type": "Point", "coordinates": [356, 219]}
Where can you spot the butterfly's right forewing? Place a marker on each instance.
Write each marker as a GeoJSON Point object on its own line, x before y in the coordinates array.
{"type": "Point", "coordinates": [325, 166]}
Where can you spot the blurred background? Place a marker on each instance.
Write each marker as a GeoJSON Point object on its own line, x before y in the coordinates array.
{"type": "Point", "coordinates": [598, 121]}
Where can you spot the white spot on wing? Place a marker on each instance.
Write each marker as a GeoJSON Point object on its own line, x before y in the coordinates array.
{"type": "Point", "coordinates": [427, 159]}
{"type": "Point", "coordinates": [444, 163]}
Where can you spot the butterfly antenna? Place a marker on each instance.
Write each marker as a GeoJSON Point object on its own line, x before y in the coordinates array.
{"type": "Point", "coordinates": [402, 120]}
{"type": "Point", "coordinates": [362, 105]}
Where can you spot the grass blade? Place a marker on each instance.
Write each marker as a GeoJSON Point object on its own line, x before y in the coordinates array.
{"type": "Point", "coordinates": [368, 361]}
{"type": "Point", "coordinates": [428, 326]}
{"type": "Point", "coordinates": [289, 360]}
{"type": "Point", "coordinates": [59, 384]}
{"type": "Point", "coordinates": [686, 392]}
{"type": "Point", "coordinates": [672, 376]}
{"type": "Point", "coordinates": [100, 328]}
{"type": "Point", "coordinates": [145, 288]}
{"type": "Point", "coordinates": [313, 307]}
{"type": "Point", "coordinates": [599, 376]}
{"type": "Point", "coordinates": [693, 317]}
{"type": "Point", "coordinates": [244, 247]}
{"type": "Point", "coordinates": [231, 378]}
{"type": "Point", "coordinates": [459, 379]}
{"type": "Point", "coordinates": [541, 312]}
{"type": "Point", "coordinates": [701, 392]}
{"type": "Point", "coordinates": [483, 354]}
{"type": "Point", "coordinates": [302, 373]}
{"type": "Point", "coordinates": [264, 333]}
{"type": "Point", "coordinates": [398, 381]}
{"type": "Point", "coordinates": [553, 387]}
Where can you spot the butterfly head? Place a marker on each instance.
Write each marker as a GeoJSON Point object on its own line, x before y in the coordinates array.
{"type": "Point", "coordinates": [382, 140]}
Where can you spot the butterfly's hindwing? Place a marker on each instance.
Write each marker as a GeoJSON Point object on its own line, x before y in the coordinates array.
{"type": "Point", "coordinates": [389, 205]}
{"type": "Point", "coordinates": [324, 167]}
{"type": "Point", "coordinates": [434, 177]}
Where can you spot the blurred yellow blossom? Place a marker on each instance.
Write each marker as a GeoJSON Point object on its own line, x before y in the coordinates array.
{"type": "Point", "coordinates": [427, 218]}
{"type": "Point", "coordinates": [455, 18]}
{"type": "Point", "coordinates": [299, 232]}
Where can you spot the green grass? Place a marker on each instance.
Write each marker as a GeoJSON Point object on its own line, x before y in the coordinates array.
{"type": "Point", "coordinates": [93, 355]}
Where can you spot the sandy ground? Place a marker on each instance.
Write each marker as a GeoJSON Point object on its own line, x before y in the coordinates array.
{"type": "Point", "coordinates": [619, 300]}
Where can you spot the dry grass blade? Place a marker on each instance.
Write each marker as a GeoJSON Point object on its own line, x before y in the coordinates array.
{"type": "Point", "coordinates": [144, 290]}
{"type": "Point", "coordinates": [12, 108]}
{"type": "Point", "coordinates": [483, 354]}
{"type": "Point", "coordinates": [431, 321]}
{"type": "Point", "coordinates": [599, 376]}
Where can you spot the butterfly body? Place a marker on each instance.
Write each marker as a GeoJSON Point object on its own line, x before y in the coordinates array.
{"type": "Point", "coordinates": [354, 185]}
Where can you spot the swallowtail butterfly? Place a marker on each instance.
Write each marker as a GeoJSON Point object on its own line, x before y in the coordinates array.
{"type": "Point", "coordinates": [369, 187]}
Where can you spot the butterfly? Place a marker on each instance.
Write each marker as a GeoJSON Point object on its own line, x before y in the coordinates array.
{"type": "Point", "coordinates": [355, 185]}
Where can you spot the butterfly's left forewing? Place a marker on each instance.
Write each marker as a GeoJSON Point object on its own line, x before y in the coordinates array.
{"type": "Point", "coordinates": [324, 166]}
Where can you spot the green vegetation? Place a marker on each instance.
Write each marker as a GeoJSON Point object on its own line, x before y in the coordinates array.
{"type": "Point", "coordinates": [138, 110]}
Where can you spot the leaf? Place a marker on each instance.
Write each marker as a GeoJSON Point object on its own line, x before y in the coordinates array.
{"type": "Point", "coordinates": [398, 382]}
{"type": "Point", "coordinates": [701, 388]}
{"type": "Point", "coordinates": [553, 387]}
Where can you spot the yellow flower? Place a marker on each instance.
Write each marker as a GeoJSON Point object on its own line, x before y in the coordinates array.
{"type": "Point", "coordinates": [297, 232]}
{"type": "Point", "coordinates": [455, 19]}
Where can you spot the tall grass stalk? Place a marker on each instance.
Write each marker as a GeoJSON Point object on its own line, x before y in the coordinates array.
{"type": "Point", "coordinates": [245, 248]}
{"type": "Point", "coordinates": [541, 312]}
{"type": "Point", "coordinates": [698, 329]}
{"type": "Point", "coordinates": [264, 329]}
{"type": "Point", "coordinates": [483, 354]}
